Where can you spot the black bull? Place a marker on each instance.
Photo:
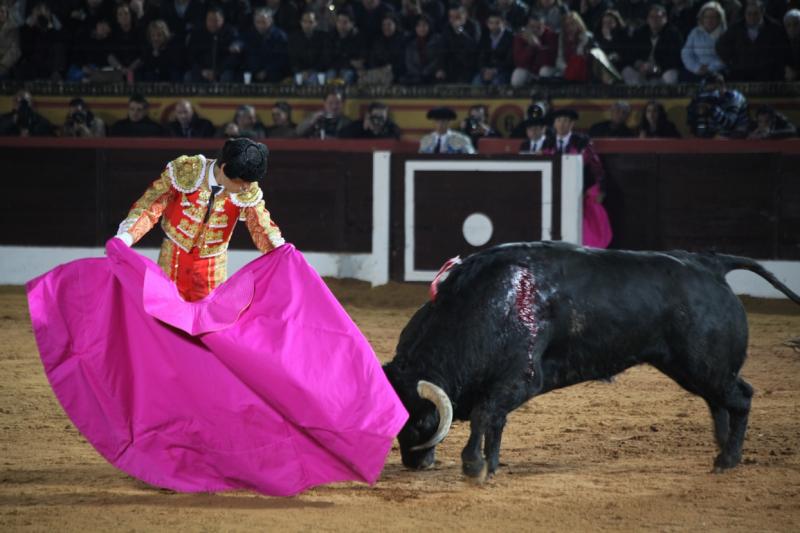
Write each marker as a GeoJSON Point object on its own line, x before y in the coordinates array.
{"type": "Point", "coordinates": [519, 320]}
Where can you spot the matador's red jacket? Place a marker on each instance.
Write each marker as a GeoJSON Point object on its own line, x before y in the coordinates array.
{"type": "Point", "coordinates": [194, 252]}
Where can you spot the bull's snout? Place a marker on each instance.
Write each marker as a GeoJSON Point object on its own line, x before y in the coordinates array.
{"type": "Point", "coordinates": [419, 460]}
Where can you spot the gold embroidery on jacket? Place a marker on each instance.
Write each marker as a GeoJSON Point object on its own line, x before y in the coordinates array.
{"type": "Point", "coordinates": [249, 198]}
{"type": "Point", "coordinates": [219, 273]}
{"type": "Point", "coordinates": [265, 233]}
{"type": "Point", "coordinates": [214, 250]}
{"type": "Point", "coordinates": [214, 236]}
{"type": "Point", "coordinates": [218, 220]}
{"type": "Point", "coordinates": [183, 235]}
{"type": "Point", "coordinates": [148, 209]}
{"type": "Point", "coordinates": [193, 215]}
{"type": "Point", "coordinates": [187, 172]}
{"type": "Point", "coordinates": [166, 257]}
{"type": "Point", "coordinates": [188, 228]}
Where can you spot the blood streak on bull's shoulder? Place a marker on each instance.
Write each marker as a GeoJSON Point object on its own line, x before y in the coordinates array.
{"type": "Point", "coordinates": [524, 287]}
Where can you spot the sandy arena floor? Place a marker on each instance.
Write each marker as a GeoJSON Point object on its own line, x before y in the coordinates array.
{"type": "Point", "coordinates": [631, 455]}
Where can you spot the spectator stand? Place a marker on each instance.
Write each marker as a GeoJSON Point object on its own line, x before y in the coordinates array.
{"type": "Point", "coordinates": [407, 105]}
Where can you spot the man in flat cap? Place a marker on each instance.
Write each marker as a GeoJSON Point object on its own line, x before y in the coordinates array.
{"type": "Point", "coordinates": [443, 140]}
{"type": "Point", "coordinates": [537, 134]}
{"type": "Point", "coordinates": [596, 227]}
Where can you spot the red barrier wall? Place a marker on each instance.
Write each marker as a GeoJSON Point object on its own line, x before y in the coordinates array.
{"type": "Point", "coordinates": [739, 197]}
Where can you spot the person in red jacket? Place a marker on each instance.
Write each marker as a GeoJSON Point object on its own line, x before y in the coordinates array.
{"type": "Point", "coordinates": [535, 49]}
{"type": "Point", "coordinates": [199, 202]}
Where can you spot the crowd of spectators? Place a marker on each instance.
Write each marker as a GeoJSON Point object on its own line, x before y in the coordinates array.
{"type": "Point", "coordinates": [715, 111]}
{"type": "Point", "coordinates": [312, 42]}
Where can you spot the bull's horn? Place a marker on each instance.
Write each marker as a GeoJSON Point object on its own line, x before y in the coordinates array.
{"type": "Point", "coordinates": [431, 392]}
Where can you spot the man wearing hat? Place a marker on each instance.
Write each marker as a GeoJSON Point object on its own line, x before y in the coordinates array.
{"type": "Point", "coordinates": [537, 133]}
{"type": "Point", "coordinates": [199, 202]}
{"type": "Point", "coordinates": [596, 227]}
{"type": "Point", "coordinates": [566, 141]}
{"type": "Point", "coordinates": [443, 140]}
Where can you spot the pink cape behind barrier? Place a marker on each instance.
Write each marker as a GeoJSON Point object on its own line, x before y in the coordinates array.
{"type": "Point", "coordinates": [596, 226]}
{"type": "Point", "coordinates": [266, 384]}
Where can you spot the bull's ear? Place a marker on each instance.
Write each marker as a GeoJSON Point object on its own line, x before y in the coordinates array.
{"type": "Point", "coordinates": [432, 393]}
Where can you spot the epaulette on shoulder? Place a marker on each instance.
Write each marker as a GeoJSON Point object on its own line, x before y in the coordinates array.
{"type": "Point", "coordinates": [187, 172]}
{"type": "Point", "coordinates": [249, 198]}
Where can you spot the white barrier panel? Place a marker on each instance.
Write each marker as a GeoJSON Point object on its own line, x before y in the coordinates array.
{"type": "Point", "coordinates": [478, 225]}
{"type": "Point", "coordinates": [19, 264]}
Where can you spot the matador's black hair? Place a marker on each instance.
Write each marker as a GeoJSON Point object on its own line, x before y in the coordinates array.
{"type": "Point", "coordinates": [244, 159]}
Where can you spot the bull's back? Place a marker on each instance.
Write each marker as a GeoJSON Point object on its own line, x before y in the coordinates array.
{"type": "Point", "coordinates": [610, 310]}
{"type": "Point", "coordinates": [599, 312]}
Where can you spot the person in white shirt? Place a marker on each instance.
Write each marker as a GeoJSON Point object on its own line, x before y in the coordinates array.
{"type": "Point", "coordinates": [443, 140]}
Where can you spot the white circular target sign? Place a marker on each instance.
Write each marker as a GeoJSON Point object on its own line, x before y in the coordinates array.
{"type": "Point", "coordinates": [477, 229]}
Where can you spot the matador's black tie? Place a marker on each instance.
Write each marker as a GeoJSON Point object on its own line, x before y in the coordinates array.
{"type": "Point", "coordinates": [214, 190]}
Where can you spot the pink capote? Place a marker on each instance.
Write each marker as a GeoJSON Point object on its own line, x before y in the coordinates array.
{"type": "Point", "coordinates": [596, 226]}
{"type": "Point", "coordinates": [266, 384]}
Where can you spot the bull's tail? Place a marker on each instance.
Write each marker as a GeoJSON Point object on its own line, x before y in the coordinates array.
{"type": "Point", "coordinates": [733, 262]}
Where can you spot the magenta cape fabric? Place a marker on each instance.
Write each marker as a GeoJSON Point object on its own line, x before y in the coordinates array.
{"type": "Point", "coordinates": [596, 226]}
{"type": "Point", "coordinates": [266, 384]}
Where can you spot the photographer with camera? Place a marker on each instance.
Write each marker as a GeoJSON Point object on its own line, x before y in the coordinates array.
{"type": "Point", "coordinates": [23, 121]}
{"type": "Point", "coordinates": [326, 123]}
{"type": "Point", "coordinates": [718, 112]}
{"type": "Point", "coordinates": [81, 122]}
{"type": "Point", "coordinates": [376, 124]}
{"type": "Point", "coordinates": [475, 125]}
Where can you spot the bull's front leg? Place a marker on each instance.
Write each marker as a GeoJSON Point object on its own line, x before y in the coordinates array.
{"type": "Point", "coordinates": [491, 445]}
{"type": "Point", "coordinates": [472, 462]}
{"type": "Point", "coordinates": [486, 427]}
{"type": "Point", "coordinates": [487, 421]}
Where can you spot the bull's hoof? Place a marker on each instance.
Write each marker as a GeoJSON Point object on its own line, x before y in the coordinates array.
{"type": "Point", "coordinates": [476, 473]}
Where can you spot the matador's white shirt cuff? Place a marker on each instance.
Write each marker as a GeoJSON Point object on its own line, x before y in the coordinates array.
{"type": "Point", "coordinates": [126, 237]}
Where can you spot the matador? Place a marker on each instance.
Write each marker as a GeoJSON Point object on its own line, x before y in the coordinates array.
{"type": "Point", "coordinates": [199, 201]}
